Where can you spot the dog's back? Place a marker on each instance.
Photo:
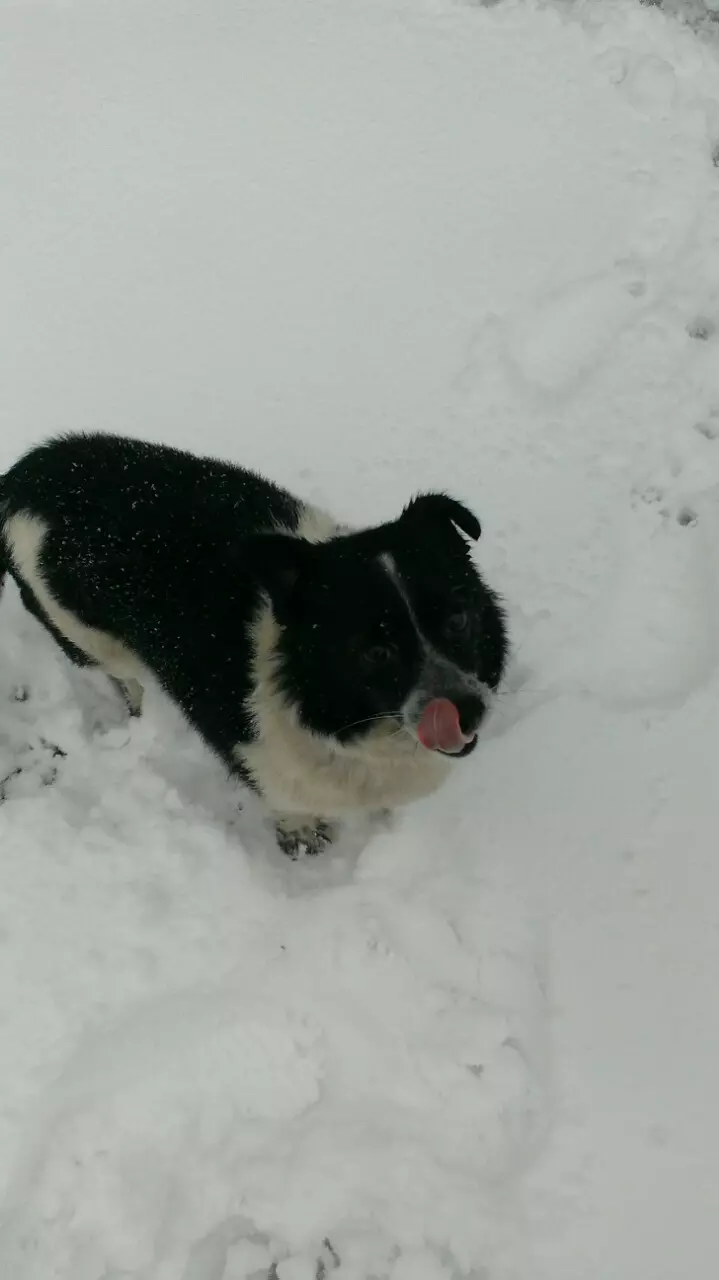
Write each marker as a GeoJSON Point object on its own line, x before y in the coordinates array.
{"type": "Point", "coordinates": [120, 530]}
{"type": "Point", "coordinates": [112, 486]}
{"type": "Point", "coordinates": [137, 557]}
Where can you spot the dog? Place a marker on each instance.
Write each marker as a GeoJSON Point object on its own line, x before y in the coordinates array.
{"type": "Point", "coordinates": [331, 669]}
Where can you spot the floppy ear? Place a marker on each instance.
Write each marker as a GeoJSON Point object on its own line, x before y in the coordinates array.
{"type": "Point", "coordinates": [440, 507]}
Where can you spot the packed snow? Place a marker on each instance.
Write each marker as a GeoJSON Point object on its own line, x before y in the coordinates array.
{"type": "Point", "coordinates": [370, 247]}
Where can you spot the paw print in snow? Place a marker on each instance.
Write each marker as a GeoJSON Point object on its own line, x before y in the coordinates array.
{"type": "Point", "coordinates": [35, 765]}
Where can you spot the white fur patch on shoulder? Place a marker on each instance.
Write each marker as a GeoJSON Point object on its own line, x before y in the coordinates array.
{"type": "Point", "coordinates": [25, 535]}
{"type": "Point", "coordinates": [301, 772]}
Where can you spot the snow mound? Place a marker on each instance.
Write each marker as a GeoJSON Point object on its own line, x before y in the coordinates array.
{"type": "Point", "coordinates": [264, 1104]}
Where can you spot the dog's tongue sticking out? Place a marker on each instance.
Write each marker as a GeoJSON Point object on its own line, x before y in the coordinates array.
{"type": "Point", "coordinates": [439, 729]}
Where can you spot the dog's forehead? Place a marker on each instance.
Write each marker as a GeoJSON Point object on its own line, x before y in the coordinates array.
{"type": "Point", "coordinates": [418, 569]}
{"type": "Point", "coordinates": [353, 563]}
{"type": "Point", "coordinates": [360, 576]}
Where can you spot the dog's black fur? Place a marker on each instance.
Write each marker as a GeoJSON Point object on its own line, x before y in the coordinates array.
{"type": "Point", "coordinates": [177, 556]}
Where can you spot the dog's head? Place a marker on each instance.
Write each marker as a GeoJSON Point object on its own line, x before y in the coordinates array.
{"type": "Point", "coordinates": [389, 629]}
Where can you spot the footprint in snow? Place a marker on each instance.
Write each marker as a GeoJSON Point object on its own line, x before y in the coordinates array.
{"type": "Point", "coordinates": [708, 428]}
{"type": "Point", "coordinates": [568, 330]}
{"type": "Point", "coordinates": [27, 769]}
{"type": "Point", "coordinates": [701, 328]}
{"type": "Point", "coordinates": [695, 464]}
{"type": "Point", "coordinates": [659, 636]}
{"type": "Point", "coordinates": [236, 1248]}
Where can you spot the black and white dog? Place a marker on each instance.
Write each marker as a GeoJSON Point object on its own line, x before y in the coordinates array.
{"type": "Point", "coordinates": [331, 670]}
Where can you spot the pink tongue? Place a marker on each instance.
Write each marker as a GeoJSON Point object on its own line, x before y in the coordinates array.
{"type": "Point", "coordinates": [439, 728]}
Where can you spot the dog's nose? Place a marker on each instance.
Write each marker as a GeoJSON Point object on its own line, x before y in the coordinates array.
{"type": "Point", "coordinates": [472, 710]}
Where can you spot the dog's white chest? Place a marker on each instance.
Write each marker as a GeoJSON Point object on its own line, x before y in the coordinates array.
{"type": "Point", "coordinates": [301, 773]}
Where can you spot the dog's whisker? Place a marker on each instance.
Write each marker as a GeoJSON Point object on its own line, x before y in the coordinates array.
{"type": "Point", "coordinates": [401, 729]}
{"type": "Point", "coordinates": [526, 691]}
{"type": "Point", "coordinates": [384, 715]}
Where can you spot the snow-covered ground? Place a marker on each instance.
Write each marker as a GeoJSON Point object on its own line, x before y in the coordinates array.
{"type": "Point", "coordinates": [369, 246]}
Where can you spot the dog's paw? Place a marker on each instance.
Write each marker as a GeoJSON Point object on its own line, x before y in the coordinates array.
{"type": "Point", "coordinates": [299, 836]}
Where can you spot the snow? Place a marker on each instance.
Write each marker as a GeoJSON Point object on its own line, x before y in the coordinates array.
{"type": "Point", "coordinates": [369, 248]}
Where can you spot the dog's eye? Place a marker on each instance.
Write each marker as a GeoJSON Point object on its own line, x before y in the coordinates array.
{"type": "Point", "coordinates": [378, 655]}
{"type": "Point", "coordinates": [457, 624]}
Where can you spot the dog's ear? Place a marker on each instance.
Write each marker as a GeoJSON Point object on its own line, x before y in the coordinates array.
{"type": "Point", "coordinates": [439, 507]}
{"type": "Point", "coordinates": [279, 560]}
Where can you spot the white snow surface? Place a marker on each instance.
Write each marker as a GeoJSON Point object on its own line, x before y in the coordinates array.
{"type": "Point", "coordinates": [369, 247]}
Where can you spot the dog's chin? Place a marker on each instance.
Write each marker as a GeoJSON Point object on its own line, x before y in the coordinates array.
{"type": "Point", "coordinates": [466, 750]}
